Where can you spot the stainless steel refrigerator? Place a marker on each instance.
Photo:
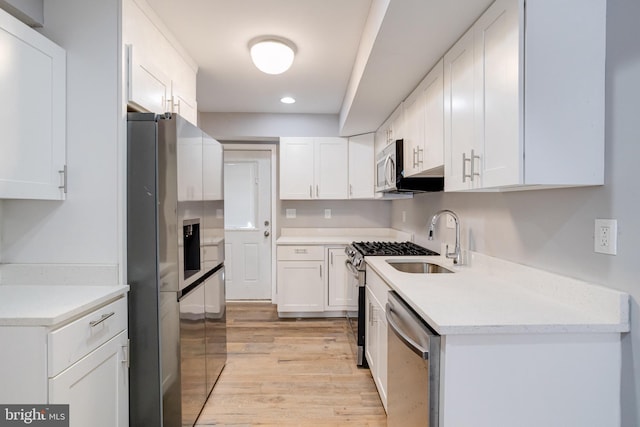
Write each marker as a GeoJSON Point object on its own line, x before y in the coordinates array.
{"type": "Point", "coordinates": [175, 267]}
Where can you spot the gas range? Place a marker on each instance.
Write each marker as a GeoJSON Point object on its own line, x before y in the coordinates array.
{"type": "Point", "coordinates": [356, 251]}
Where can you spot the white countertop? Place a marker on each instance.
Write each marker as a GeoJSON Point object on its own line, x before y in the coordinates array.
{"type": "Point", "coordinates": [491, 296]}
{"type": "Point", "coordinates": [338, 236]}
{"type": "Point", "coordinates": [49, 305]}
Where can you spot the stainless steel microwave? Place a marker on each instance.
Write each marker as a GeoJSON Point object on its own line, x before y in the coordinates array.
{"type": "Point", "coordinates": [390, 173]}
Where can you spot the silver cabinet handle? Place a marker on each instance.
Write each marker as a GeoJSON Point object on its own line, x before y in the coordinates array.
{"type": "Point", "coordinates": [420, 160]}
{"type": "Point", "coordinates": [104, 317]}
{"type": "Point", "coordinates": [331, 258]}
{"type": "Point", "coordinates": [317, 191]}
{"type": "Point", "coordinates": [310, 191]}
{"type": "Point", "coordinates": [127, 351]}
{"type": "Point", "coordinates": [320, 270]}
{"type": "Point", "coordinates": [415, 154]}
{"type": "Point", "coordinates": [473, 157]}
{"type": "Point", "coordinates": [464, 167]}
{"type": "Point", "coordinates": [351, 189]}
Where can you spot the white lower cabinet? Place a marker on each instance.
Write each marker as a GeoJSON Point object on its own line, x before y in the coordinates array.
{"type": "Point", "coordinates": [314, 279]}
{"type": "Point", "coordinates": [96, 387]}
{"type": "Point", "coordinates": [300, 279]}
{"type": "Point", "coordinates": [342, 294]}
{"type": "Point", "coordinates": [376, 332]}
{"type": "Point", "coordinates": [83, 363]}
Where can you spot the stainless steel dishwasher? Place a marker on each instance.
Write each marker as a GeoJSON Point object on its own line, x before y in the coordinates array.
{"type": "Point", "coordinates": [413, 364]}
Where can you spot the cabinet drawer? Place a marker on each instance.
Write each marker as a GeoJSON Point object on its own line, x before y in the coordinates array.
{"type": "Point", "coordinates": [71, 342]}
{"type": "Point", "coordinates": [300, 253]}
{"type": "Point", "coordinates": [378, 287]}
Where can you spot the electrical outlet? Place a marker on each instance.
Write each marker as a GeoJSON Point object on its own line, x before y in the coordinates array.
{"type": "Point", "coordinates": [327, 213]}
{"type": "Point", "coordinates": [404, 216]}
{"type": "Point", "coordinates": [451, 223]}
{"type": "Point", "coordinates": [291, 213]}
{"type": "Point", "coordinates": [605, 237]}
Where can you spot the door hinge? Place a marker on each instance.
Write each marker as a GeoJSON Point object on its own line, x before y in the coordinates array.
{"type": "Point", "coordinates": [63, 187]}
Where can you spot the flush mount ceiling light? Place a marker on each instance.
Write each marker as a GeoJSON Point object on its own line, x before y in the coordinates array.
{"type": "Point", "coordinates": [272, 55]}
{"type": "Point", "coordinates": [287, 100]}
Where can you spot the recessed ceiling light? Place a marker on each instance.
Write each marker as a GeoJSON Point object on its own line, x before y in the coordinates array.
{"type": "Point", "coordinates": [272, 55]}
{"type": "Point", "coordinates": [287, 100]}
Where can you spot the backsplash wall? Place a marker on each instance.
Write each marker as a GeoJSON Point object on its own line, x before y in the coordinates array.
{"type": "Point", "coordinates": [554, 229]}
{"type": "Point", "coordinates": [344, 214]}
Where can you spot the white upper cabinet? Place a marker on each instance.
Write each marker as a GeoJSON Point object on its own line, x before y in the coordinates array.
{"type": "Point", "coordinates": [313, 168]}
{"type": "Point", "coordinates": [393, 128]}
{"type": "Point", "coordinates": [424, 126]}
{"type": "Point", "coordinates": [361, 167]}
{"type": "Point", "coordinates": [159, 77]}
{"type": "Point", "coordinates": [32, 114]}
{"type": "Point", "coordinates": [524, 105]}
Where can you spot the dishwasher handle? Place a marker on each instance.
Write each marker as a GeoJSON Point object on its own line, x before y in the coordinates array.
{"type": "Point", "coordinates": [414, 346]}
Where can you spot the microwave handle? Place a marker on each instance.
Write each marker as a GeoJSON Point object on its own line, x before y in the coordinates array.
{"type": "Point", "coordinates": [389, 168]}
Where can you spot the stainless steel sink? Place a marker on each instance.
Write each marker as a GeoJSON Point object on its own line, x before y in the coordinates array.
{"type": "Point", "coordinates": [421, 267]}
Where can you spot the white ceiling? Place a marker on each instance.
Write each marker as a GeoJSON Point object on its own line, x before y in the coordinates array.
{"type": "Point", "coordinates": [412, 36]}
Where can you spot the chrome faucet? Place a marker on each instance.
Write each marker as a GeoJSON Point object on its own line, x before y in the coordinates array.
{"type": "Point", "coordinates": [455, 255]}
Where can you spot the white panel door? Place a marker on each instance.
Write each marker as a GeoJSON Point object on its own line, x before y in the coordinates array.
{"type": "Point", "coordinates": [431, 159]}
{"type": "Point", "coordinates": [32, 113]}
{"type": "Point", "coordinates": [458, 113]}
{"type": "Point", "coordinates": [497, 101]}
{"type": "Point", "coordinates": [247, 217]}
{"type": "Point", "coordinates": [96, 387]}
{"type": "Point", "coordinates": [341, 294]}
{"type": "Point", "coordinates": [362, 167]}
{"type": "Point", "coordinates": [296, 168]}
{"type": "Point", "coordinates": [331, 168]}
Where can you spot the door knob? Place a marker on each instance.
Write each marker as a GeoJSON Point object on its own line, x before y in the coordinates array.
{"type": "Point", "coordinates": [266, 233]}
{"type": "Point", "coordinates": [266, 223]}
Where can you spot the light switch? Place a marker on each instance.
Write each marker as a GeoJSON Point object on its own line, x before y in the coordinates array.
{"type": "Point", "coordinates": [291, 213]}
{"type": "Point", "coordinates": [327, 213]}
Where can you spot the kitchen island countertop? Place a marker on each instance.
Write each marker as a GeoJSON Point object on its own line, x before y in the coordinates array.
{"type": "Point", "coordinates": [493, 296]}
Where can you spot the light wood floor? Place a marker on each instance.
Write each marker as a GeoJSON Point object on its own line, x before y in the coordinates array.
{"type": "Point", "coordinates": [290, 373]}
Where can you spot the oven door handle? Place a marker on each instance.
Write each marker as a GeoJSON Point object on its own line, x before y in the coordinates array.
{"type": "Point", "coordinates": [415, 347]}
{"type": "Point", "coordinates": [351, 268]}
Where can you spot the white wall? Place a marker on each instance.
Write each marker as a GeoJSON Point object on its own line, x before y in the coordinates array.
{"type": "Point", "coordinates": [553, 229]}
{"type": "Point", "coordinates": [87, 227]}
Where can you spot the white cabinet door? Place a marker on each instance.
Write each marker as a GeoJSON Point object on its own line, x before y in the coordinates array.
{"type": "Point", "coordinates": [376, 343]}
{"type": "Point", "coordinates": [32, 114]}
{"type": "Point", "coordinates": [96, 387]}
{"type": "Point", "coordinates": [414, 114]}
{"type": "Point", "coordinates": [301, 286]}
{"type": "Point", "coordinates": [459, 114]}
{"type": "Point", "coordinates": [497, 115]}
{"type": "Point", "coordinates": [431, 158]}
{"type": "Point", "coordinates": [361, 167]}
{"type": "Point", "coordinates": [313, 168]}
{"type": "Point", "coordinates": [296, 168]}
{"type": "Point", "coordinates": [148, 88]}
{"type": "Point", "coordinates": [371, 333]}
{"type": "Point", "coordinates": [331, 168]}
{"type": "Point", "coordinates": [342, 295]}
